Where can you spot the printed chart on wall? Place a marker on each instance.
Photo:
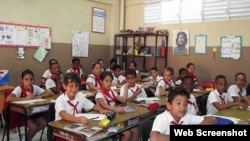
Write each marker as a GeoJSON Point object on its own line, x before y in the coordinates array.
{"type": "Point", "coordinates": [80, 44]}
{"type": "Point", "coordinates": [231, 47]}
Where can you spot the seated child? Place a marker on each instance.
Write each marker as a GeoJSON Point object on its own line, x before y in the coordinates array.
{"type": "Point", "coordinates": [111, 64]}
{"type": "Point", "coordinates": [108, 99]}
{"type": "Point", "coordinates": [237, 91]}
{"type": "Point", "coordinates": [119, 79]}
{"type": "Point", "coordinates": [182, 73]}
{"type": "Point", "coordinates": [218, 99]}
{"type": "Point", "coordinates": [54, 83]}
{"type": "Point", "coordinates": [70, 103]}
{"type": "Point", "coordinates": [47, 74]}
{"type": "Point", "coordinates": [191, 71]}
{"type": "Point", "coordinates": [102, 64]}
{"type": "Point", "coordinates": [188, 85]}
{"type": "Point", "coordinates": [133, 65]}
{"type": "Point", "coordinates": [75, 68]}
{"type": "Point", "coordinates": [131, 89]}
{"type": "Point", "coordinates": [93, 80]}
{"type": "Point", "coordinates": [28, 91]}
{"type": "Point", "coordinates": [166, 84]}
{"type": "Point", "coordinates": [176, 115]}
{"type": "Point", "coordinates": [154, 76]}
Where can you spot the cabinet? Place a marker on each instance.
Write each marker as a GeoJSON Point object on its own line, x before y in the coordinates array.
{"type": "Point", "coordinates": [146, 49]}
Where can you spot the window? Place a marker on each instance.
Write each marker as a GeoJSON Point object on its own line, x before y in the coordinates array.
{"type": "Point", "coordinates": [180, 11]}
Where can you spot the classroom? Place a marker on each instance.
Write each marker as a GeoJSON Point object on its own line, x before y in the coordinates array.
{"type": "Point", "coordinates": [62, 17]}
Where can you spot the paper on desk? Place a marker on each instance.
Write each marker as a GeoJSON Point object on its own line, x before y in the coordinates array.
{"type": "Point", "coordinates": [92, 116]}
{"type": "Point", "coordinates": [147, 98]}
{"type": "Point", "coordinates": [32, 101]}
{"type": "Point", "coordinates": [128, 109]}
{"type": "Point", "coordinates": [234, 120]}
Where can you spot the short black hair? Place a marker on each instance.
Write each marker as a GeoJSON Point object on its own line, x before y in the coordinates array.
{"type": "Point", "coordinates": [71, 78]}
{"type": "Point", "coordinates": [27, 71]}
{"type": "Point", "coordinates": [113, 60]}
{"type": "Point", "coordinates": [133, 62]}
{"type": "Point", "coordinates": [105, 74]}
{"type": "Point", "coordinates": [53, 64]}
{"type": "Point", "coordinates": [220, 77]}
{"type": "Point", "coordinates": [175, 92]}
{"type": "Point", "coordinates": [186, 78]}
{"type": "Point", "coordinates": [75, 60]}
{"type": "Point", "coordinates": [95, 63]}
{"type": "Point", "coordinates": [154, 68]}
{"type": "Point", "coordinates": [130, 72]}
{"type": "Point", "coordinates": [182, 70]}
{"type": "Point", "coordinates": [52, 60]}
{"type": "Point", "coordinates": [240, 73]}
{"type": "Point", "coordinates": [116, 66]}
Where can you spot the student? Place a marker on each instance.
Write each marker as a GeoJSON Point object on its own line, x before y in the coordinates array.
{"type": "Point", "coordinates": [191, 71]}
{"type": "Point", "coordinates": [133, 65]}
{"type": "Point", "coordinates": [182, 73]}
{"type": "Point", "coordinates": [237, 91]}
{"type": "Point", "coordinates": [108, 99]}
{"type": "Point", "coordinates": [176, 115]}
{"type": "Point", "coordinates": [54, 83]}
{"type": "Point", "coordinates": [47, 74]}
{"type": "Point", "coordinates": [102, 64]}
{"type": "Point", "coordinates": [75, 67]}
{"type": "Point", "coordinates": [119, 79]}
{"type": "Point", "coordinates": [28, 91]}
{"type": "Point", "coordinates": [218, 99]}
{"type": "Point", "coordinates": [111, 64]}
{"type": "Point", "coordinates": [93, 80]}
{"type": "Point", "coordinates": [181, 42]}
{"type": "Point", "coordinates": [154, 76]}
{"type": "Point", "coordinates": [188, 85]}
{"type": "Point", "coordinates": [71, 102]}
{"type": "Point", "coordinates": [132, 89]}
{"type": "Point", "coordinates": [166, 84]}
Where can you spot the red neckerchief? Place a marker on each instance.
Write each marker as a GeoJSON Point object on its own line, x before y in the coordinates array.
{"type": "Point", "coordinates": [222, 99]}
{"type": "Point", "coordinates": [167, 83]}
{"type": "Point", "coordinates": [75, 70]}
{"type": "Point", "coordinates": [97, 78]}
{"type": "Point", "coordinates": [72, 105]}
{"type": "Point", "coordinates": [192, 103]}
{"type": "Point", "coordinates": [60, 80]}
{"type": "Point", "coordinates": [193, 76]}
{"type": "Point", "coordinates": [24, 91]}
{"type": "Point", "coordinates": [240, 94]}
{"type": "Point", "coordinates": [173, 122]}
{"type": "Point", "coordinates": [116, 78]}
{"type": "Point", "coordinates": [134, 91]}
{"type": "Point", "coordinates": [107, 94]}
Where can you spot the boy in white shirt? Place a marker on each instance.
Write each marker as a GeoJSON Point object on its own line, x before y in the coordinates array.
{"type": "Point", "coordinates": [218, 99]}
{"type": "Point", "coordinates": [133, 90]}
{"type": "Point", "coordinates": [182, 73]}
{"type": "Point", "coordinates": [119, 79]}
{"type": "Point", "coordinates": [237, 91]}
{"type": "Point", "coordinates": [154, 76]}
{"type": "Point", "coordinates": [175, 115]}
{"type": "Point", "coordinates": [166, 84]}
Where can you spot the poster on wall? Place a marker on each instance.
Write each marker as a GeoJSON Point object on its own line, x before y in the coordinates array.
{"type": "Point", "coordinates": [231, 47]}
{"type": "Point", "coordinates": [98, 20]}
{"type": "Point", "coordinates": [200, 44]}
{"type": "Point", "coordinates": [80, 44]}
{"type": "Point", "coordinates": [181, 42]}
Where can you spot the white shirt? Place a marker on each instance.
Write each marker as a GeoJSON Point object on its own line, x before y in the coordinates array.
{"type": "Point", "coordinates": [47, 74]}
{"type": "Point", "coordinates": [91, 79]}
{"type": "Point", "coordinates": [191, 108]}
{"type": "Point", "coordinates": [178, 82]}
{"type": "Point", "coordinates": [163, 85]}
{"type": "Point", "coordinates": [119, 79]}
{"type": "Point", "coordinates": [62, 104]}
{"type": "Point", "coordinates": [158, 78]}
{"type": "Point", "coordinates": [233, 90]}
{"type": "Point", "coordinates": [50, 83]}
{"type": "Point", "coordinates": [163, 121]}
{"type": "Point", "coordinates": [71, 70]}
{"type": "Point", "coordinates": [36, 91]}
{"type": "Point", "coordinates": [213, 97]}
{"type": "Point", "coordinates": [101, 95]}
{"type": "Point", "coordinates": [132, 90]}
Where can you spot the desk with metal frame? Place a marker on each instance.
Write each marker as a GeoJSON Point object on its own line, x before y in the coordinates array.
{"type": "Point", "coordinates": [235, 113]}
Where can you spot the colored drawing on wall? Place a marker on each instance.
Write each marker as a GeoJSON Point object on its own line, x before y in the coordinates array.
{"type": "Point", "coordinates": [231, 47]}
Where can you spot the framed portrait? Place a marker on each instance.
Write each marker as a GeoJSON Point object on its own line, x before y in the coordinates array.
{"type": "Point", "coordinates": [98, 20]}
{"type": "Point", "coordinates": [181, 42]}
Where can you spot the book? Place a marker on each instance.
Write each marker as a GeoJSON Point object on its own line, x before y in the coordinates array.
{"type": "Point", "coordinates": [86, 130]}
{"type": "Point", "coordinates": [97, 136]}
{"type": "Point", "coordinates": [40, 54]}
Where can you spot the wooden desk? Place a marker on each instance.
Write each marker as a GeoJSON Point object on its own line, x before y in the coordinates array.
{"type": "Point", "coordinates": [28, 110]}
{"type": "Point", "coordinates": [235, 113]}
{"type": "Point", "coordinates": [141, 114]}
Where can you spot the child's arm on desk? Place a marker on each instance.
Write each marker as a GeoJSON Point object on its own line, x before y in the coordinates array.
{"type": "Point", "coordinates": [108, 107]}
{"type": "Point", "coordinates": [220, 107]}
{"type": "Point", "coordinates": [99, 109]}
{"type": "Point", "coordinates": [91, 86]}
{"type": "Point", "coordinates": [68, 117]}
{"type": "Point", "coordinates": [46, 94]}
{"type": "Point", "coordinates": [157, 136]}
{"type": "Point", "coordinates": [12, 97]}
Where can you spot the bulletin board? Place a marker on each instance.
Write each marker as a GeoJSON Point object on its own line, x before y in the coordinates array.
{"type": "Point", "coordinates": [12, 34]}
{"type": "Point", "coordinates": [231, 47]}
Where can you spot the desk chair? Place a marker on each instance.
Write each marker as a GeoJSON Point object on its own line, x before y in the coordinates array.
{"type": "Point", "coordinates": [50, 117]}
{"type": "Point", "coordinates": [145, 129]}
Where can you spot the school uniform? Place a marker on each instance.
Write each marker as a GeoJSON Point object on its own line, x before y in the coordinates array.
{"type": "Point", "coordinates": [132, 90]}
{"type": "Point", "coordinates": [158, 78]}
{"type": "Point", "coordinates": [109, 69]}
{"type": "Point", "coordinates": [72, 107]}
{"type": "Point", "coordinates": [93, 79]}
{"type": "Point", "coordinates": [234, 90]}
{"type": "Point", "coordinates": [194, 77]}
{"type": "Point", "coordinates": [213, 97]}
{"type": "Point", "coordinates": [178, 82]}
{"type": "Point", "coordinates": [50, 83]}
{"type": "Point", "coordinates": [118, 80]}
{"type": "Point", "coordinates": [192, 107]}
{"type": "Point", "coordinates": [46, 74]}
{"type": "Point", "coordinates": [77, 71]}
{"type": "Point", "coordinates": [108, 96]}
{"type": "Point", "coordinates": [163, 121]}
{"type": "Point", "coordinates": [165, 85]}
{"type": "Point", "coordinates": [17, 118]}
